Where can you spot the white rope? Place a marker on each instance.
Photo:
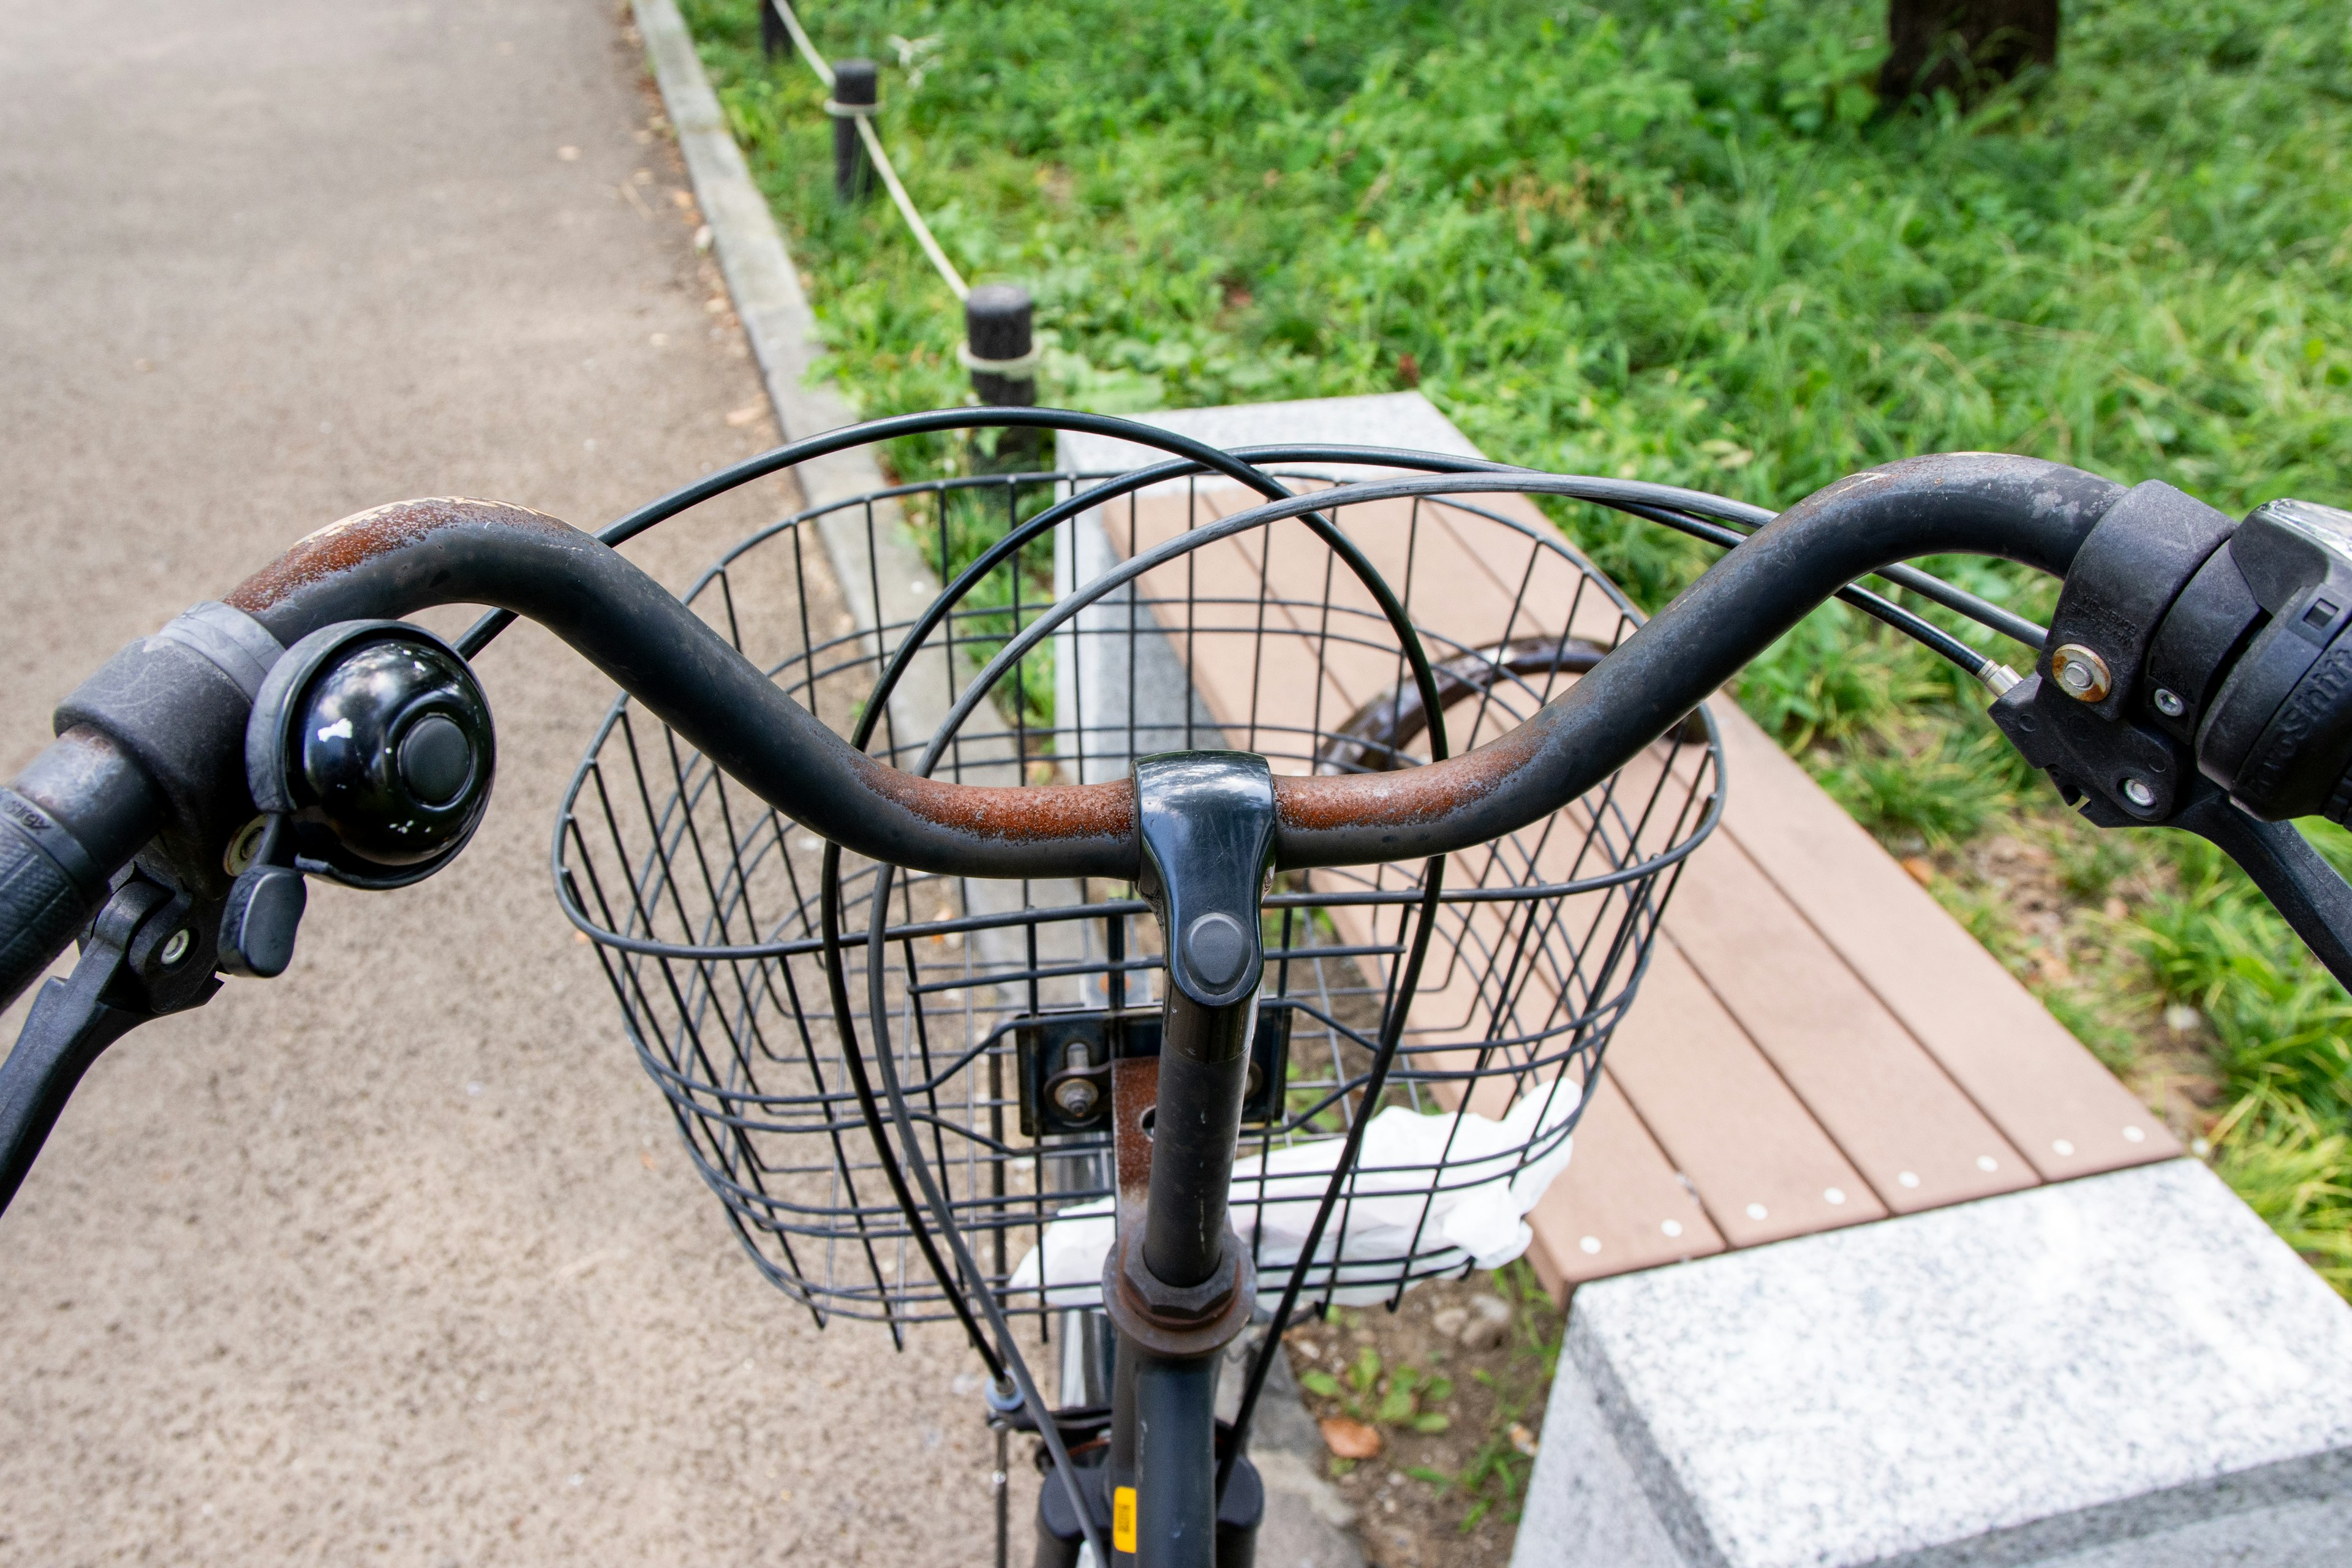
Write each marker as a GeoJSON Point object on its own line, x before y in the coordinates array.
{"type": "Point", "coordinates": [1019, 365]}
{"type": "Point", "coordinates": [800, 42]}
{"type": "Point", "coordinates": [864, 115]}
{"type": "Point", "coordinates": [867, 133]}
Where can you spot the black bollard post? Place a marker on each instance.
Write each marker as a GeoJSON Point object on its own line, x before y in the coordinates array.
{"type": "Point", "coordinates": [857, 94]}
{"type": "Point", "coordinates": [1000, 351]}
{"type": "Point", "coordinates": [773, 39]}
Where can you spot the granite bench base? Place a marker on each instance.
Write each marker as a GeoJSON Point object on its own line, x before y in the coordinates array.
{"type": "Point", "coordinates": [2128, 1370]}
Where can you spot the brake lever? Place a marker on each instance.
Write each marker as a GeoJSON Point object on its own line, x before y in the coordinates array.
{"type": "Point", "coordinates": [150, 952]}
{"type": "Point", "coordinates": [2295, 878]}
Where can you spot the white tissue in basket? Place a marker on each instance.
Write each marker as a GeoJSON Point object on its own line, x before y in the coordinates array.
{"type": "Point", "coordinates": [1480, 1221]}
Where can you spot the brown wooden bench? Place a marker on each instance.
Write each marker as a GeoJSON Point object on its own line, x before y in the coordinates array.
{"type": "Point", "coordinates": [1816, 1043]}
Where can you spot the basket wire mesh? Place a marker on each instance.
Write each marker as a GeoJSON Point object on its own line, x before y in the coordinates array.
{"type": "Point", "coordinates": [707, 909]}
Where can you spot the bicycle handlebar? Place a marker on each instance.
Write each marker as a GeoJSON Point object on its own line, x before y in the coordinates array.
{"type": "Point", "coordinates": [396, 560]}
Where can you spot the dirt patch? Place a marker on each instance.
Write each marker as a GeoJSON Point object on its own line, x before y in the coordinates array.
{"type": "Point", "coordinates": [1447, 1394]}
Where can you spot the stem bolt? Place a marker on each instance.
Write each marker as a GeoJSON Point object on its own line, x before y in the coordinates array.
{"type": "Point", "coordinates": [2082, 674]}
{"type": "Point", "coordinates": [2169, 703]}
{"type": "Point", "coordinates": [1077, 1097]}
{"type": "Point", "coordinates": [2137, 792]}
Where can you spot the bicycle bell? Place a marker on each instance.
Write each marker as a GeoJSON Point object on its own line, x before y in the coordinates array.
{"type": "Point", "coordinates": [373, 739]}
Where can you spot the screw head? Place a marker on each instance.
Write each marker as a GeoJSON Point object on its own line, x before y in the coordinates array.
{"type": "Point", "coordinates": [176, 945]}
{"type": "Point", "coordinates": [2137, 792]}
{"type": "Point", "coordinates": [1077, 1098]}
{"type": "Point", "coordinates": [2169, 703]}
{"type": "Point", "coordinates": [2081, 673]}
{"type": "Point", "coordinates": [237, 858]}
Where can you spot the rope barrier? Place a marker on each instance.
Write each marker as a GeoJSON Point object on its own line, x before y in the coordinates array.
{"type": "Point", "coordinates": [862, 114]}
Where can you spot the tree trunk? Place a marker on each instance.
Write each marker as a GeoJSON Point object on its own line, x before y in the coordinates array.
{"type": "Point", "coordinates": [1964, 46]}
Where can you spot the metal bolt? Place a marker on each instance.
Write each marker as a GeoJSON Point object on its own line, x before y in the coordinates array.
{"type": "Point", "coordinates": [1077, 1097]}
{"type": "Point", "coordinates": [176, 945]}
{"type": "Point", "coordinates": [2137, 792]}
{"type": "Point", "coordinates": [238, 858]}
{"type": "Point", "coordinates": [2082, 674]}
{"type": "Point", "coordinates": [2169, 703]}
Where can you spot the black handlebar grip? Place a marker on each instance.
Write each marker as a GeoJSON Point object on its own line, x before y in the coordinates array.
{"type": "Point", "coordinates": [74, 816]}
{"type": "Point", "coordinates": [42, 903]}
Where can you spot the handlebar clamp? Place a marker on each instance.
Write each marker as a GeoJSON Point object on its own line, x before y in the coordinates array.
{"type": "Point", "coordinates": [177, 702]}
{"type": "Point", "coordinates": [2084, 715]}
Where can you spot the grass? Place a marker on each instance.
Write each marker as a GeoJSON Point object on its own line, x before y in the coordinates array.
{"type": "Point", "coordinates": [1496, 1475]}
{"type": "Point", "coordinates": [1683, 242]}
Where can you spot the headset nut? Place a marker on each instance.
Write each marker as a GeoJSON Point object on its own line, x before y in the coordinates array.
{"type": "Point", "coordinates": [2081, 674]}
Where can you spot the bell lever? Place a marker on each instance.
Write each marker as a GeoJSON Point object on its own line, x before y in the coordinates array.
{"type": "Point", "coordinates": [265, 906]}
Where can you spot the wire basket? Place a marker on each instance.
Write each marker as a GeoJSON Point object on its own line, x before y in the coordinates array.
{"type": "Point", "coordinates": [707, 905]}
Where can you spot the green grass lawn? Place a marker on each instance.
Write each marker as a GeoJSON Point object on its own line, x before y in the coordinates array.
{"type": "Point", "coordinates": [1682, 242]}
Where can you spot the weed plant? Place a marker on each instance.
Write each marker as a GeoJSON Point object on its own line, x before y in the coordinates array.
{"type": "Point", "coordinates": [1685, 242]}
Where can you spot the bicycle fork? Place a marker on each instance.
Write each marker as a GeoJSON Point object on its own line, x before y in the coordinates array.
{"type": "Point", "coordinates": [1178, 1285]}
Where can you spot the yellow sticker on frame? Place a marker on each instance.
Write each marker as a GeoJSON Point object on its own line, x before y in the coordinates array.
{"type": "Point", "coordinates": [1122, 1518]}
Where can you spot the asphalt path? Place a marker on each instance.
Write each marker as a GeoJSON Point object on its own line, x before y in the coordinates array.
{"type": "Point", "coordinates": [395, 1258]}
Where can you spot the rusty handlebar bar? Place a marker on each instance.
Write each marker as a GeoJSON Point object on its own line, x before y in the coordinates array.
{"type": "Point", "coordinates": [399, 559]}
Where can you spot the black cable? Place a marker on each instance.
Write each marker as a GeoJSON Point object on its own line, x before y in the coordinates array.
{"type": "Point", "coordinates": [1934, 638]}
{"type": "Point", "coordinates": [1013, 1363]}
{"type": "Point", "coordinates": [1960, 601]}
{"type": "Point", "coordinates": [1391, 1033]}
{"type": "Point", "coordinates": [793, 453]}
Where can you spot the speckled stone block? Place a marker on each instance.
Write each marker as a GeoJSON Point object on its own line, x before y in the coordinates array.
{"type": "Point", "coordinates": [2128, 1370]}
{"type": "Point", "coordinates": [1405, 419]}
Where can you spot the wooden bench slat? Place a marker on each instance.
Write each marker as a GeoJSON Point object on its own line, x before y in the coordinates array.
{"type": "Point", "coordinates": [2064, 1111]}
{"type": "Point", "coordinates": [1619, 1191]}
{"type": "Point", "coordinates": [1725, 1117]}
{"type": "Point", "coordinates": [1893, 1111]}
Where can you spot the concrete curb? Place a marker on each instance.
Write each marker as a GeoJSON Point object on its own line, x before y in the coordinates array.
{"type": "Point", "coordinates": [891, 586]}
{"type": "Point", "coordinates": [759, 273]}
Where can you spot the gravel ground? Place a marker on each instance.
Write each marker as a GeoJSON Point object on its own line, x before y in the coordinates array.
{"type": "Point", "coordinates": [395, 1258]}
